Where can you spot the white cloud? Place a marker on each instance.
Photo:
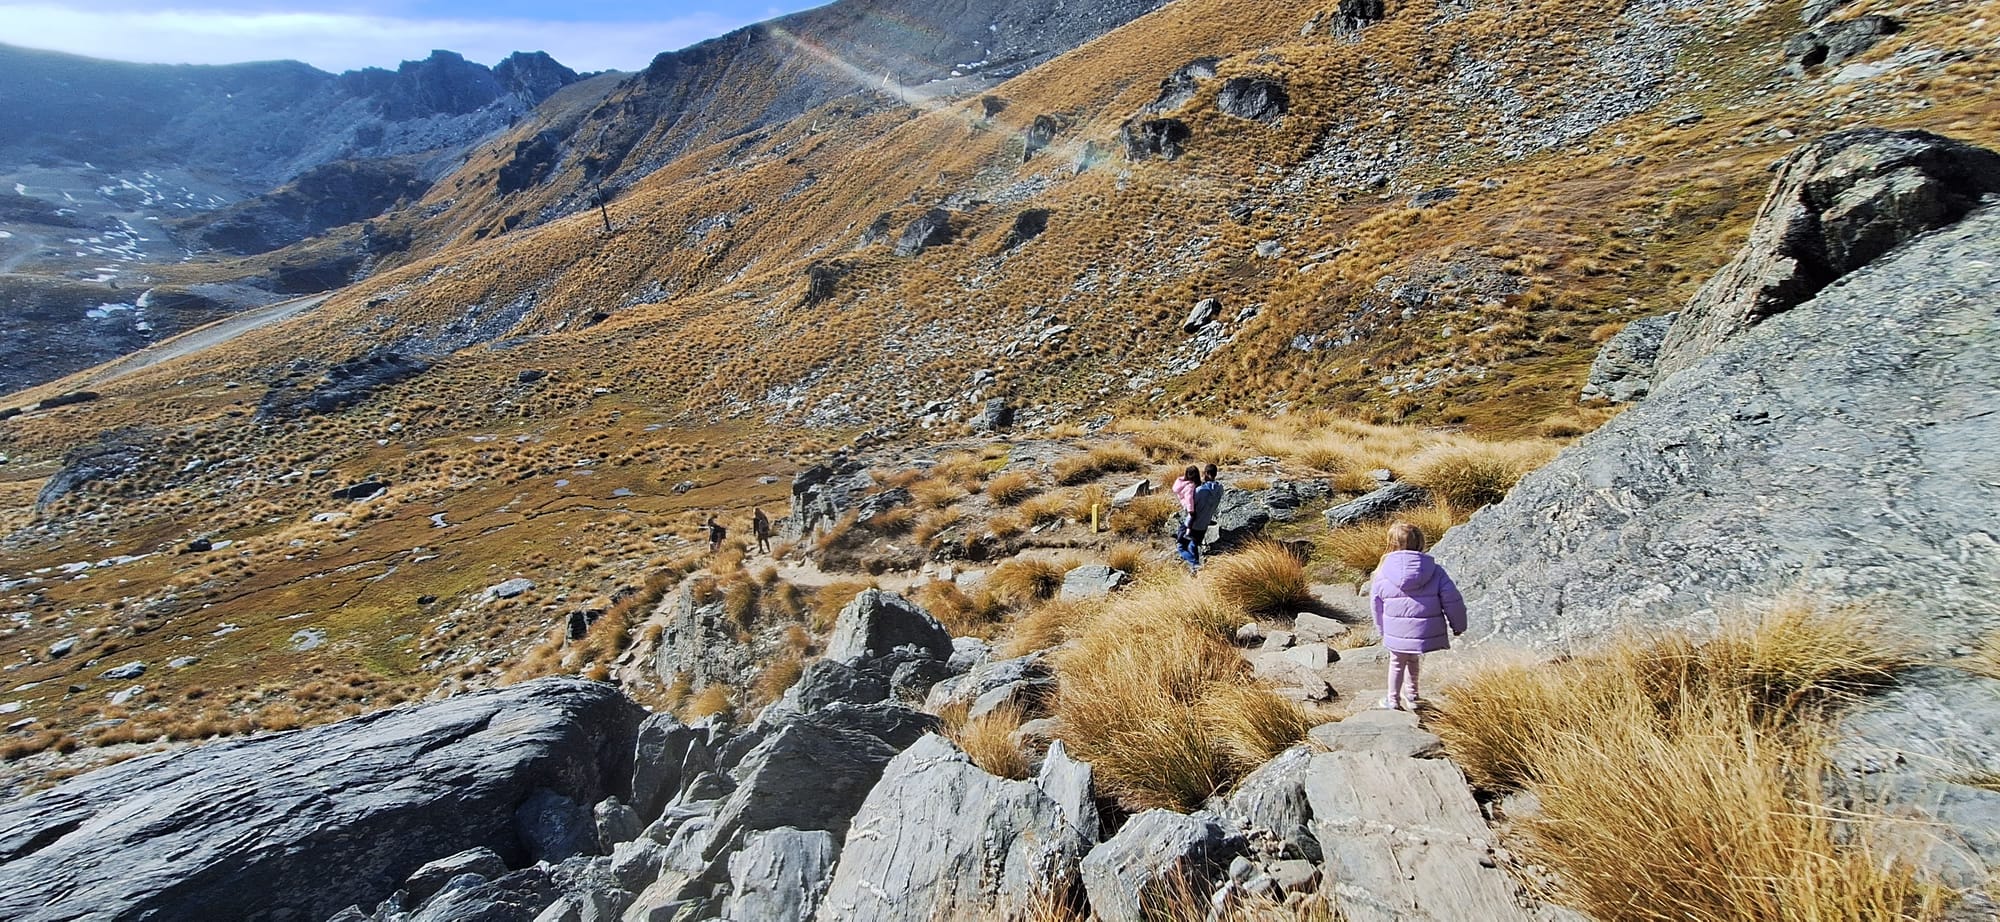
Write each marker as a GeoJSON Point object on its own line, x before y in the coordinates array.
{"type": "Point", "coordinates": [337, 41]}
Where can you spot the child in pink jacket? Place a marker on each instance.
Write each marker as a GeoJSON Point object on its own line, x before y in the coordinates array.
{"type": "Point", "coordinates": [1417, 610]}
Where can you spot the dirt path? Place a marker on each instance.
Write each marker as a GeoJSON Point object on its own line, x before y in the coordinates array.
{"type": "Point", "coordinates": [203, 337]}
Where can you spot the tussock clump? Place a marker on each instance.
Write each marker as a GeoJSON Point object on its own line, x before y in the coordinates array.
{"type": "Point", "coordinates": [1027, 580]}
{"type": "Point", "coordinates": [777, 676]}
{"type": "Point", "coordinates": [1145, 516]}
{"type": "Point", "coordinates": [1263, 579]}
{"type": "Point", "coordinates": [1010, 488]}
{"type": "Point", "coordinates": [707, 702]}
{"type": "Point", "coordinates": [1044, 508]}
{"type": "Point", "coordinates": [1161, 706]}
{"type": "Point", "coordinates": [975, 614]}
{"type": "Point", "coordinates": [1045, 626]}
{"type": "Point", "coordinates": [829, 599]}
{"type": "Point", "coordinates": [1099, 460]}
{"type": "Point", "coordinates": [1985, 660]}
{"type": "Point", "coordinates": [1469, 475]}
{"type": "Point", "coordinates": [989, 741]}
{"type": "Point", "coordinates": [1705, 757]}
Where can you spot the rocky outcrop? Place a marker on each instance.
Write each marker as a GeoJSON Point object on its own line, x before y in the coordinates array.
{"type": "Point", "coordinates": [876, 623]}
{"type": "Point", "coordinates": [1842, 447]}
{"type": "Point", "coordinates": [1242, 514]}
{"type": "Point", "coordinates": [1623, 369]}
{"type": "Point", "coordinates": [345, 384]}
{"type": "Point", "coordinates": [821, 495]}
{"type": "Point", "coordinates": [1028, 225]}
{"type": "Point", "coordinates": [698, 642]}
{"type": "Point", "coordinates": [301, 824]}
{"type": "Point", "coordinates": [1181, 85]}
{"type": "Point", "coordinates": [1381, 503]}
{"type": "Point", "coordinates": [1832, 44]}
{"type": "Point", "coordinates": [1259, 99]}
{"type": "Point", "coordinates": [318, 200]}
{"type": "Point", "coordinates": [933, 228]}
{"type": "Point", "coordinates": [940, 832]}
{"type": "Point", "coordinates": [1040, 134]}
{"type": "Point", "coordinates": [1835, 206]}
{"type": "Point", "coordinates": [1157, 856]}
{"type": "Point", "coordinates": [1144, 139]}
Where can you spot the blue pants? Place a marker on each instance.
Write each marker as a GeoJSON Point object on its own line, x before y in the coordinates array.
{"type": "Point", "coordinates": [1189, 545]}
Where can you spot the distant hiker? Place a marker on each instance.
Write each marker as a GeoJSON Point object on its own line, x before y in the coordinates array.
{"type": "Point", "coordinates": [715, 534]}
{"type": "Point", "coordinates": [1207, 499]}
{"type": "Point", "coordinates": [1184, 488]}
{"type": "Point", "coordinates": [760, 525]}
{"type": "Point", "coordinates": [1415, 604]}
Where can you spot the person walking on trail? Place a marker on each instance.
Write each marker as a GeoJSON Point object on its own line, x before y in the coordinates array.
{"type": "Point", "coordinates": [760, 526]}
{"type": "Point", "coordinates": [715, 534]}
{"type": "Point", "coordinates": [1184, 488]}
{"type": "Point", "coordinates": [1207, 499]}
{"type": "Point", "coordinates": [1418, 610]}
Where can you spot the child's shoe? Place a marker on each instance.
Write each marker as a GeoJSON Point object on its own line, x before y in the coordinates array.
{"type": "Point", "coordinates": [1388, 703]}
{"type": "Point", "coordinates": [1412, 702]}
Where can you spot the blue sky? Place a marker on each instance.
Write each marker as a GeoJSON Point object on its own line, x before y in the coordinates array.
{"type": "Point", "coordinates": [336, 36]}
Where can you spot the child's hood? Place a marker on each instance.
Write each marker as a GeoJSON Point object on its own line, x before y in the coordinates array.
{"type": "Point", "coordinates": [1406, 570]}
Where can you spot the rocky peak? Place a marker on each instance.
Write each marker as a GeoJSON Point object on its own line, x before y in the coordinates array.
{"type": "Point", "coordinates": [532, 75]}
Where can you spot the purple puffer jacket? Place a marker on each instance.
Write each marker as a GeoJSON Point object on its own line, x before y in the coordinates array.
{"type": "Point", "coordinates": [1417, 608]}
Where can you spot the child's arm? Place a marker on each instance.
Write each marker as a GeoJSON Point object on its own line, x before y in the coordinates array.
{"type": "Point", "coordinates": [1454, 604]}
{"type": "Point", "coordinates": [1375, 602]}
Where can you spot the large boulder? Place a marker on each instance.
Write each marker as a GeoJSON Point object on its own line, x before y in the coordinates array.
{"type": "Point", "coordinates": [931, 229]}
{"type": "Point", "coordinates": [1835, 206]}
{"type": "Point", "coordinates": [1381, 503]}
{"type": "Point", "coordinates": [1843, 448]}
{"type": "Point", "coordinates": [938, 833]}
{"type": "Point", "coordinates": [302, 824]}
{"type": "Point", "coordinates": [1259, 99]}
{"type": "Point", "coordinates": [1145, 138]}
{"type": "Point", "coordinates": [877, 622]}
{"type": "Point", "coordinates": [1157, 856]}
{"type": "Point", "coordinates": [822, 494]}
{"type": "Point", "coordinates": [1832, 44]}
{"type": "Point", "coordinates": [698, 642]}
{"type": "Point", "coordinates": [813, 771]}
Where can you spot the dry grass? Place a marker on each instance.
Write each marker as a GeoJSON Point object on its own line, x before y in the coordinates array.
{"type": "Point", "coordinates": [1985, 660]}
{"type": "Point", "coordinates": [1110, 457]}
{"type": "Point", "coordinates": [1024, 581]}
{"type": "Point", "coordinates": [1470, 475]}
{"type": "Point", "coordinates": [1145, 516]}
{"type": "Point", "coordinates": [1354, 551]}
{"type": "Point", "coordinates": [1044, 508]}
{"type": "Point", "coordinates": [1045, 626]}
{"type": "Point", "coordinates": [1704, 757]}
{"type": "Point", "coordinates": [1131, 557]}
{"type": "Point", "coordinates": [1011, 488]}
{"type": "Point", "coordinates": [989, 741]}
{"type": "Point", "coordinates": [976, 614]}
{"type": "Point", "coordinates": [1262, 578]}
{"type": "Point", "coordinates": [777, 676]}
{"type": "Point", "coordinates": [1160, 705]}
{"type": "Point", "coordinates": [709, 701]}
{"type": "Point", "coordinates": [936, 493]}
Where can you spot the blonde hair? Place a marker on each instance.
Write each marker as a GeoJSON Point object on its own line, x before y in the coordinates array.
{"type": "Point", "coordinates": [1406, 537]}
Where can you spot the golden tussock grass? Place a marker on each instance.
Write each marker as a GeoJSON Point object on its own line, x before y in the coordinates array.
{"type": "Point", "coordinates": [1130, 556]}
{"type": "Point", "coordinates": [1044, 508]}
{"type": "Point", "coordinates": [1145, 516]}
{"type": "Point", "coordinates": [1707, 758]}
{"type": "Point", "coordinates": [1027, 580]}
{"type": "Point", "coordinates": [1985, 660]}
{"type": "Point", "coordinates": [988, 740]}
{"type": "Point", "coordinates": [777, 676]}
{"type": "Point", "coordinates": [710, 700]}
{"type": "Point", "coordinates": [1044, 626]}
{"type": "Point", "coordinates": [936, 493]}
{"type": "Point", "coordinates": [1011, 487]}
{"type": "Point", "coordinates": [934, 522]}
{"type": "Point", "coordinates": [1263, 578]}
{"type": "Point", "coordinates": [975, 614]}
{"type": "Point", "coordinates": [1161, 706]}
{"type": "Point", "coordinates": [1470, 475]}
{"type": "Point", "coordinates": [1110, 457]}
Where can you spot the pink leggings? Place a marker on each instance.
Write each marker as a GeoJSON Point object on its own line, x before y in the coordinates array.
{"type": "Point", "coordinates": [1404, 666]}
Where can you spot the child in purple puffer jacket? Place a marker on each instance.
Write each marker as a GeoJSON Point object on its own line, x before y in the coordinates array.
{"type": "Point", "coordinates": [1415, 604]}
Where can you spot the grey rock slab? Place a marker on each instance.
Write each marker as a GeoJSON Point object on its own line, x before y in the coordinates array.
{"type": "Point", "coordinates": [1028, 696]}
{"type": "Point", "coordinates": [1091, 580]}
{"type": "Point", "coordinates": [432, 877]}
{"type": "Point", "coordinates": [1382, 503]}
{"type": "Point", "coordinates": [1380, 730]}
{"type": "Point", "coordinates": [779, 875]}
{"type": "Point", "coordinates": [1269, 805]}
{"type": "Point", "coordinates": [1068, 782]}
{"type": "Point", "coordinates": [1313, 656]}
{"type": "Point", "coordinates": [987, 677]}
{"type": "Point", "coordinates": [615, 823]}
{"type": "Point", "coordinates": [1156, 854]}
{"type": "Point", "coordinates": [1312, 628]}
{"type": "Point", "coordinates": [665, 753]}
{"type": "Point", "coordinates": [131, 670]}
{"type": "Point", "coordinates": [309, 822]}
{"type": "Point", "coordinates": [938, 833]}
{"type": "Point", "coordinates": [1130, 492]}
{"type": "Point", "coordinates": [509, 588]}
{"type": "Point", "coordinates": [813, 773]}
{"type": "Point", "coordinates": [1403, 840]}
{"type": "Point", "coordinates": [519, 896]}
{"type": "Point", "coordinates": [877, 622]}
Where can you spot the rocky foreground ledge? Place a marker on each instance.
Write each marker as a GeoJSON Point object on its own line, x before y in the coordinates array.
{"type": "Point", "coordinates": [300, 825]}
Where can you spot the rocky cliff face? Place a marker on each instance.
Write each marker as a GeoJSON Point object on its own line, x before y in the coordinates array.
{"type": "Point", "coordinates": [1841, 448]}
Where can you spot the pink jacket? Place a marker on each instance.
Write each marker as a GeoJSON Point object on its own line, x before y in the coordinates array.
{"type": "Point", "coordinates": [1184, 489]}
{"type": "Point", "coordinates": [1417, 607]}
